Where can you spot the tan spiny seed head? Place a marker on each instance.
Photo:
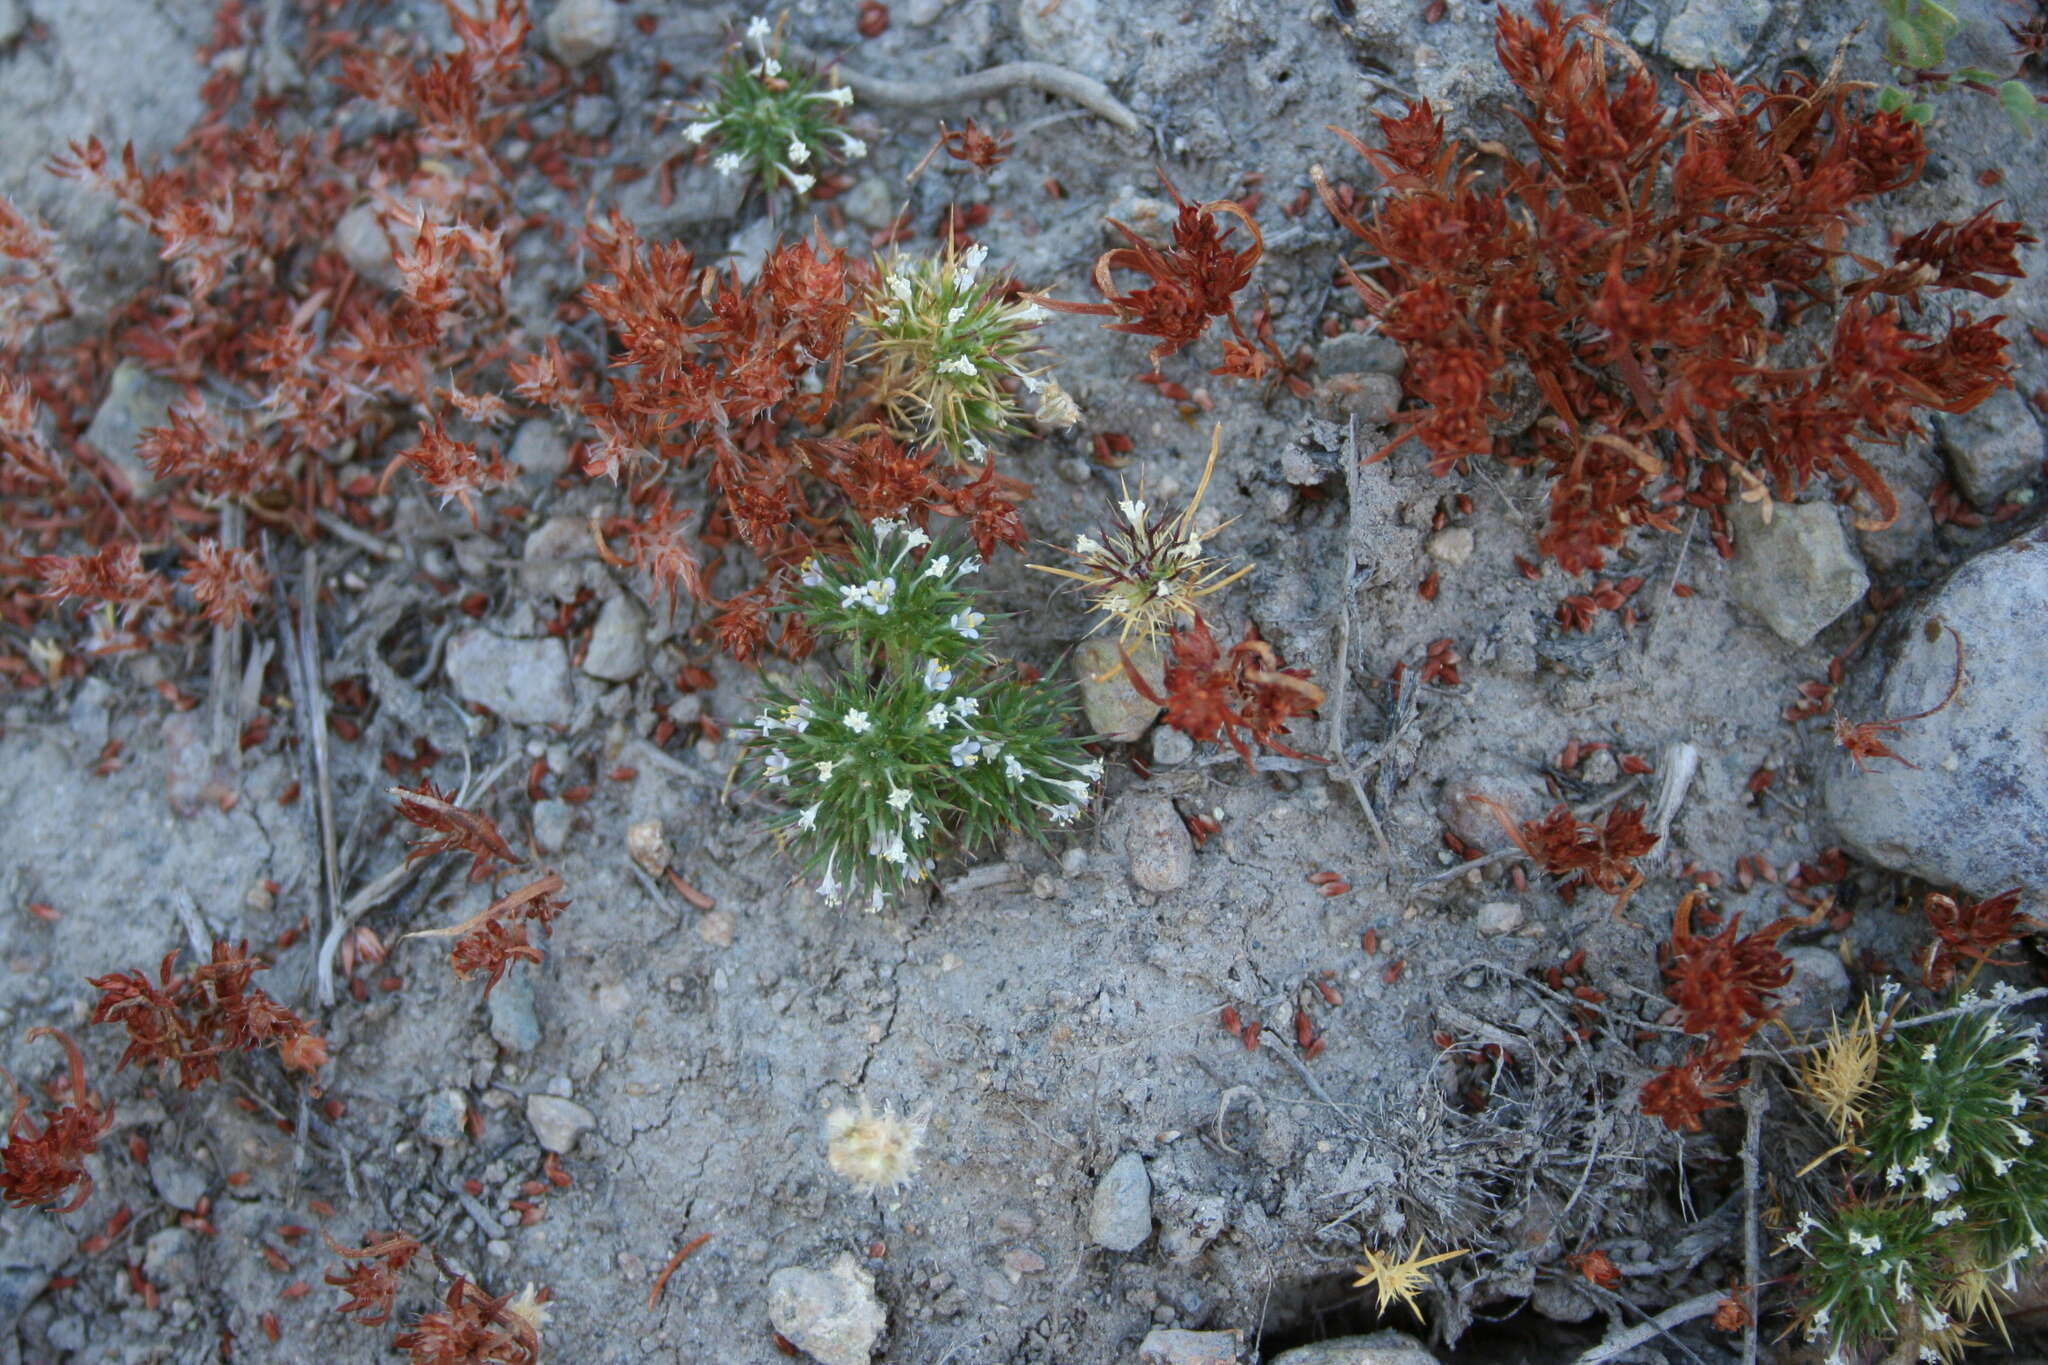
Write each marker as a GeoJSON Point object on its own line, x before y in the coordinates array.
{"type": "Point", "coordinates": [1148, 573]}
{"type": "Point", "coordinates": [878, 1151]}
{"type": "Point", "coordinates": [1839, 1076]}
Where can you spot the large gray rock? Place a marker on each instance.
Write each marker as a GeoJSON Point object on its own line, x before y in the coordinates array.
{"type": "Point", "coordinates": [1381, 1348]}
{"type": "Point", "coordinates": [1796, 571]}
{"type": "Point", "coordinates": [525, 681]}
{"type": "Point", "coordinates": [1114, 708]}
{"type": "Point", "coordinates": [1120, 1215]}
{"type": "Point", "coordinates": [1993, 448]}
{"type": "Point", "coordinates": [578, 31]}
{"type": "Point", "coordinates": [831, 1314]}
{"type": "Point", "coordinates": [618, 642]}
{"type": "Point", "coordinates": [1706, 33]}
{"type": "Point", "coordinates": [136, 401]}
{"type": "Point", "coordinates": [1156, 840]}
{"type": "Point", "coordinates": [1179, 1346]}
{"type": "Point", "coordinates": [1974, 812]}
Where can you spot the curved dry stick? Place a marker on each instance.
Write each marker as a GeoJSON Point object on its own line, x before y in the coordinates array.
{"type": "Point", "coordinates": [1085, 91]}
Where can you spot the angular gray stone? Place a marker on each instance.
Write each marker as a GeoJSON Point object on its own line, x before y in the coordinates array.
{"type": "Point", "coordinates": [1157, 842]}
{"type": "Point", "coordinates": [515, 1026]}
{"type": "Point", "coordinates": [443, 1115]}
{"type": "Point", "coordinates": [1706, 33]}
{"type": "Point", "coordinates": [832, 1314]}
{"type": "Point", "coordinates": [558, 559]}
{"type": "Point", "coordinates": [1797, 571]}
{"type": "Point", "coordinates": [1993, 448]}
{"type": "Point", "coordinates": [1817, 992]}
{"type": "Point", "coordinates": [360, 237]}
{"type": "Point", "coordinates": [541, 452]}
{"type": "Point", "coordinates": [524, 681]}
{"type": "Point", "coordinates": [579, 30]}
{"type": "Point", "coordinates": [1368, 397]}
{"type": "Point", "coordinates": [1974, 813]}
{"type": "Point", "coordinates": [618, 642]}
{"type": "Point", "coordinates": [1361, 353]}
{"type": "Point", "coordinates": [1380, 1348]}
{"type": "Point", "coordinates": [1113, 707]}
{"type": "Point", "coordinates": [1179, 1346]}
{"type": "Point", "coordinates": [1120, 1214]}
{"type": "Point", "coordinates": [136, 401]}
{"type": "Point", "coordinates": [557, 1122]}
{"type": "Point", "coordinates": [1171, 748]}
{"type": "Point", "coordinates": [871, 202]}
{"type": "Point", "coordinates": [552, 821]}
{"type": "Point", "coordinates": [182, 1186]}
{"type": "Point", "coordinates": [1498, 917]}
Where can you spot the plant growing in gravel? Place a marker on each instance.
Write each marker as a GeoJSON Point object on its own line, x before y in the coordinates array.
{"type": "Point", "coordinates": [1642, 277]}
{"type": "Point", "coordinates": [191, 1020]}
{"type": "Point", "coordinates": [472, 1327]}
{"type": "Point", "coordinates": [1916, 38]}
{"type": "Point", "coordinates": [1148, 573]}
{"type": "Point", "coordinates": [920, 740]}
{"type": "Point", "coordinates": [945, 343]}
{"type": "Point", "coordinates": [772, 120]}
{"type": "Point", "coordinates": [491, 940]}
{"type": "Point", "coordinates": [1948, 1195]}
{"type": "Point", "coordinates": [1214, 696]}
{"type": "Point", "coordinates": [38, 1165]}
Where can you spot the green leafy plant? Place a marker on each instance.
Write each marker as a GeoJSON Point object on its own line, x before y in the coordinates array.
{"type": "Point", "coordinates": [1949, 1188]}
{"type": "Point", "coordinates": [773, 120]}
{"type": "Point", "coordinates": [921, 741]}
{"type": "Point", "coordinates": [946, 344]}
{"type": "Point", "coordinates": [1916, 38]}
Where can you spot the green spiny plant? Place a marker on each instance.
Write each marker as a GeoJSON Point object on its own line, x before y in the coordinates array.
{"type": "Point", "coordinates": [922, 741]}
{"type": "Point", "coordinates": [771, 119]}
{"type": "Point", "coordinates": [1949, 1185]}
{"type": "Point", "coordinates": [945, 343]}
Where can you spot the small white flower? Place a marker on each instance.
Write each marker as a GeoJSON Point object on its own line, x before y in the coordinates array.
{"type": "Point", "coordinates": [769, 67]}
{"type": "Point", "coordinates": [890, 848]}
{"type": "Point", "coordinates": [966, 753]}
{"type": "Point", "coordinates": [959, 364]}
{"type": "Point", "coordinates": [918, 824]}
{"type": "Point", "coordinates": [1999, 1164]}
{"type": "Point", "coordinates": [829, 888]}
{"type": "Point", "coordinates": [937, 716]}
{"type": "Point", "coordinates": [1919, 1165]}
{"type": "Point", "coordinates": [1953, 1213]}
{"type": "Point", "coordinates": [798, 181]}
{"type": "Point", "coordinates": [2030, 1054]}
{"type": "Point", "coordinates": [1134, 512]}
{"type": "Point", "coordinates": [758, 31]}
{"type": "Point", "coordinates": [841, 95]}
{"type": "Point", "coordinates": [2002, 991]}
{"type": "Point", "coordinates": [915, 537]}
{"type": "Point", "coordinates": [955, 313]}
{"type": "Point", "coordinates": [971, 564]}
{"type": "Point", "coordinates": [1077, 790]}
{"type": "Point", "coordinates": [697, 132]}
{"type": "Point", "coordinates": [2016, 1101]}
{"type": "Point", "coordinates": [875, 901]}
{"type": "Point", "coordinates": [937, 566]}
{"type": "Point", "coordinates": [1014, 770]}
{"type": "Point", "coordinates": [810, 576]}
{"type": "Point", "coordinates": [727, 163]}
{"type": "Point", "coordinates": [1029, 312]}
{"type": "Point", "coordinates": [1919, 1120]}
{"type": "Point", "coordinates": [1927, 1053]}
{"type": "Point", "coordinates": [1086, 545]}
{"type": "Point", "coordinates": [778, 768]}
{"type": "Point", "coordinates": [1092, 770]}
{"type": "Point", "coordinates": [899, 797]}
{"type": "Point", "coordinates": [798, 151]}
{"type": "Point", "coordinates": [1894, 1175]}
{"type": "Point", "coordinates": [884, 527]}
{"type": "Point", "coordinates": [851, 147]}
{"type": "Point", "coordinates": [1939, 1186]}
{"type": "Point", "coordinates": [968, 623]}
{"type": "Point", "coordinates": [1866, 1242]}
{"type": "Point", "coordinates": [963, 274]}
{"type": "Point", "coordinates": [800, 716]}
{"type": "Point", "coordinates": [965, 706]}
{"type": "Point", "coordinates": [937, 677]}
{"type": "Point", "coordinates": [1064, 815]}
{"type": "Point", "coordinates": [858, 722]}
{"type": "Point", "coordinates": [900, 287]}
{"type": "Point", "coordinates": [825, 769]}
{"type": "Point", "coordinates": [809, 818]}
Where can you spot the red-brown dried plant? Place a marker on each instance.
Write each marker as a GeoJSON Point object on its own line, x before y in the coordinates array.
{"type": "Point", "coordinates": [491, 940]}
{"type": "Point", "coordinates": [1600, 854]}
{"type": "Point", "coordinates": [192, 1020]}
{"type": "Point", "coordinates": [371, 1278]}
{"type": "Point", "coordinates": [31, 288]}
{"type": "Point", "coordinates": [1972, 931]}
{"type": "Point", "coordinates": [975, 145]}
{"type": "Point", "coordinates": [1864, 740]}
{"type": "Point", "coordinates": [474, 1328]}
{"type": "Point", "coordinates": [227, 582]}
{"type": "Point", "coordinates": [1195, 279]}
{"type": "Point", "coordinates": [1671, 283]}
{"type": "Point", "coordinates": [1597, 1266]}
{"type": "Point", "coordinates": [1679, 1095]}
{"type": "Point", "coordinates": [457, 830]}
{"type": "Point", "coordinates": [1226, 698]}
{"type": "Point", "coordinates": [38, 1166]}
{"type": "Point", "coordinates": [1722, 985]}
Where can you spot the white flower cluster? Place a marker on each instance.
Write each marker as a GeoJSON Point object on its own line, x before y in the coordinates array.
{"type": "Point", "coordinates": [751, 116]}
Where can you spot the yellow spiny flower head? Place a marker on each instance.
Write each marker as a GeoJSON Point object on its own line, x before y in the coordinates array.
{"type": "Point", "coordinates": [1839, 1076]}
{"type": "Point", "coordinates": [1401, 1280]}
{"type": "Point", "coordinates": [1148, 573]}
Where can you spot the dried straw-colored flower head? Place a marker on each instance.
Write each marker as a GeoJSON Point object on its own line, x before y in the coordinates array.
{"type": "Point", "coordinates": [878, 1151]}
{"type": "Point", "coordinates": [1148, 573]}
{"type": "Point", "coordinates": [1839, 1076]}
